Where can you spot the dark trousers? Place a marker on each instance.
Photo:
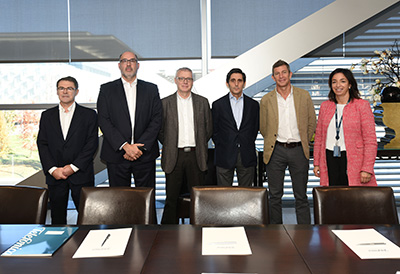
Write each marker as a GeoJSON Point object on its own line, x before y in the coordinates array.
{"type": "Point", "coordinates": [337, 169]}
{"type": "Point", "coordinates": [144, 174]}
{"type": "Point", "coordinates": [186, 169]}
{"type": "Point", "coordinates": [59, 195]}
{"type": "Point", "coordinates": [245, 175]}
{"type": "Point", "coordinates": [298, 165]}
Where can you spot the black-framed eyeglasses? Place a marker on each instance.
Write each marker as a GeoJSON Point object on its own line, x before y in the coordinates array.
{"type": "Point", "coordinates": [183, 79]}
{"type": "Point", "coordinates": [125, 61]}
{"type": "Point", "coordinates": [68, 89]}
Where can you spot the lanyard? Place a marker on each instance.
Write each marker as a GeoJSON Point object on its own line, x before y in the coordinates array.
{"type": "Point", "coordinates": [340, 122]}
{"type": "Point", "coordinates": [338, 125]}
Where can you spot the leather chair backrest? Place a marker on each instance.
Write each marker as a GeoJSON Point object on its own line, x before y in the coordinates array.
{"type": "Point", "coordinates": [354, 205]}
{"type": "Point", "coordinates": [23, 205]}
{"type": "Point", "coordinates": [217, 205]}
{"type": "Point", "coordinates": [117, 205]}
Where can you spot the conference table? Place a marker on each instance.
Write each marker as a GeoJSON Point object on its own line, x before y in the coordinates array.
{"type": "Point", "coordinates": [178, 249]}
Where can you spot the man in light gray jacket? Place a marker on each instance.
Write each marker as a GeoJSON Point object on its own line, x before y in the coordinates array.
{"type": "Point", "coordinates": [185, 131]}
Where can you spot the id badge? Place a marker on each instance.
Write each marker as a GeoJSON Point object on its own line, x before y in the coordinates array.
{"type": "Point", "coordinates": [336, 151]}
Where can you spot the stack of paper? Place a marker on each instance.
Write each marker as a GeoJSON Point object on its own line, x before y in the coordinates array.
{"type": "Point", "coordinates": [225, 241]}
{"type": "Point", "coordinates": [368, 244]}
{"type": "Point", "coordinates": [104, 243]}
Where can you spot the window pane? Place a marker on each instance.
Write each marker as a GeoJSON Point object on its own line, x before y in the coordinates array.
{"type": "Point", "coordinates": [154, 29]}
{"type": "Point", "coordinates": [19, 157]}
{"type": "Point", "coordinates": [36, 83]}
{"type": "Point", "coordinates": [33, 31]}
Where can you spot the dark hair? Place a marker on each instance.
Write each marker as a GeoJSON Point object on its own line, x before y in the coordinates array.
{"type": "Point", "coordinates": [69, 79]}
{"type": "Point", "coordinates": [353, 91]}
{"type": "Point", "coordinates": [278, 64]}
{"type": "Point", "coordinates": [235, 70]}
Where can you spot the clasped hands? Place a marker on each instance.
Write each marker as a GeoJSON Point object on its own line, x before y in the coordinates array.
{"type": "Point", "coordinates": [132, 151]}
{"type": "Point", "coordinates": [62, 173]}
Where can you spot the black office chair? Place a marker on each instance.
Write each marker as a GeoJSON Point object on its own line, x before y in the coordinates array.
{"type": "Point", "coordinates": [354, 205]}
{"type": "Point", "coordinates": [217, 205]}
{"type": "Point", "coordinates": [23, 205]}
{"type": "Point", "coordinates": [117, 205]}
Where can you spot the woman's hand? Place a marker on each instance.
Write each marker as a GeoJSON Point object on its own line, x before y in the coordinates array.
{"type": "Point", "coordinates": [316, 171]}
{"type": "Point", "coordinates": [365, 177]}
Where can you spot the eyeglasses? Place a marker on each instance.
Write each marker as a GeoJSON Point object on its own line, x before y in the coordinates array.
{"type": "Point", "coordinates": [125, 61]}
{"type": "Point", "coordinates": [63, 88]}
{"type": "Point", "coordinates": [183, 79]}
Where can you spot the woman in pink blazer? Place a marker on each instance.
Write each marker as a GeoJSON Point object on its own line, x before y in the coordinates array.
{"type": "Point", "coordinates": [345, 140]}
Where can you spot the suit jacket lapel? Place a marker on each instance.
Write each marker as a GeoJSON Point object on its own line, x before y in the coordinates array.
{"type": "Point", "coordinates": [75, 122]}
{"type": "Point", "coordinates": [121, 98]}
{"type": "Point", "coordinates": [274, 105]}
{"type": "Point", "coordinates": [55, 122]}
{"type": "Point", "coordinates": [228, 107]}
{"type": "Point", "coordinates": [297, 107]}
{"type": "Point", "coordinates": [173, 111]}
{"type": "Point", "coordinates": [196, 111]}
{"type": "Point", "coordinates": [139, 95]}
{"type": "Point", "coordinates": [246, 110]}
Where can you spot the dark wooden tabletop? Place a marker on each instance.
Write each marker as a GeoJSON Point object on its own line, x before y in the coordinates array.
{"type": "Point", "coordinates": [177, 249]}
{"type": "Point", "coordinates": [136, 253]}
{"type": "Point", "coordinates": [323, 252]}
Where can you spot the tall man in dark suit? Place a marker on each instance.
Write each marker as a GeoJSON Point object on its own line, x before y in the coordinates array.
{"type": "Point", "coordinates": [185, 132]}
{"type": "Point", "coordinates": [130, 115]}
{"type": "Point", "coordinates": [67, 142]}
{"type": "Point", "coordinates": [235, 124]}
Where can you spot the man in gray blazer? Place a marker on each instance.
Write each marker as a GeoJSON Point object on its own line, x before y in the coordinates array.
{"type": "Point", "coordinates": [184, 134]}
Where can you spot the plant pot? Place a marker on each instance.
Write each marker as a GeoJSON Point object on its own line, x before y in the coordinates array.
{"type": "Point", "coordinates": [391, 119]}
{"type": "Point", "coordinates": [390, 94]}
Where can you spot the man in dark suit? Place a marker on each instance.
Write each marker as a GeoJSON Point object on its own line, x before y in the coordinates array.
{"type": "Point", "coordinates": [185, 132]}
{"type": "Point", "coordinates": [130, 115]}
{"type": "Point", "coordinates": [235, 124]}
{"type": "Point", "coordinates": [67, 142]}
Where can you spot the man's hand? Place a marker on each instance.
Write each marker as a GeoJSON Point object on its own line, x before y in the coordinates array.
{"type": "Point", "coordinates": [68, 171]}
{"type": "Point", "coordinates": [58, 174]}
{"type": "Point", "coordinates": [127, 157]}
{"type": "Point", "coordinates": [132, 152]}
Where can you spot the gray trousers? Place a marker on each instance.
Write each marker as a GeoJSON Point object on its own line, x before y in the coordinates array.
{"type": "Point", "coordinates": [245, 175]}
{"type": "Point", "coordinates": [186, 168]}
{"type": "Point", "coordinates": [298, 165]}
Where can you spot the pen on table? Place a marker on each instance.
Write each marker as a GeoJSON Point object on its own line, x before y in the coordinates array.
{"type": "Point", "coordinates": [108, 236]}
{"type": "Point", "coordinates": [372, 244]}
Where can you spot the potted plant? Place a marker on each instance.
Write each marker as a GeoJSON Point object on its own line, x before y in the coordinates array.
{"type": "Point", "coordinates": [385, 92]}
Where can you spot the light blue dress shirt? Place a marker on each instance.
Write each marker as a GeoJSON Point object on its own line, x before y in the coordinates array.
{"type": "Point", "coordinates": [237, 108]}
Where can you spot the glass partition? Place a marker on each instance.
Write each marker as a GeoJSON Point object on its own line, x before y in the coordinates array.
{"type": "Point", "coordinates": [18, 151]}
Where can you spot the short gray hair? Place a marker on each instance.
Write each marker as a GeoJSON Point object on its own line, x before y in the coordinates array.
{"type": "Point", "coordinates": [184, 69]}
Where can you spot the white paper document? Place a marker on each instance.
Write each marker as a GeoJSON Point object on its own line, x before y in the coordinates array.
{"type": "Point", "coordinates": [104, 243]}
{"type": "Point", "coordinates": [368, 244]}
{"type": "Point", "coordinates": [225, 241]}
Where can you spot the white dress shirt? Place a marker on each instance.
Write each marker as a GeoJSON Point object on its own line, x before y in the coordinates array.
{"type": "Point", "coordinates": [65, 122]}
{"type": "Point", "coordinates": [331, 132]}
{"type": "Point", "coordinates": [185, 122]}
{"type": "Point", "coordinates": [130, 92]}
{"type": "Point", "coordinates": [288, 132]}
